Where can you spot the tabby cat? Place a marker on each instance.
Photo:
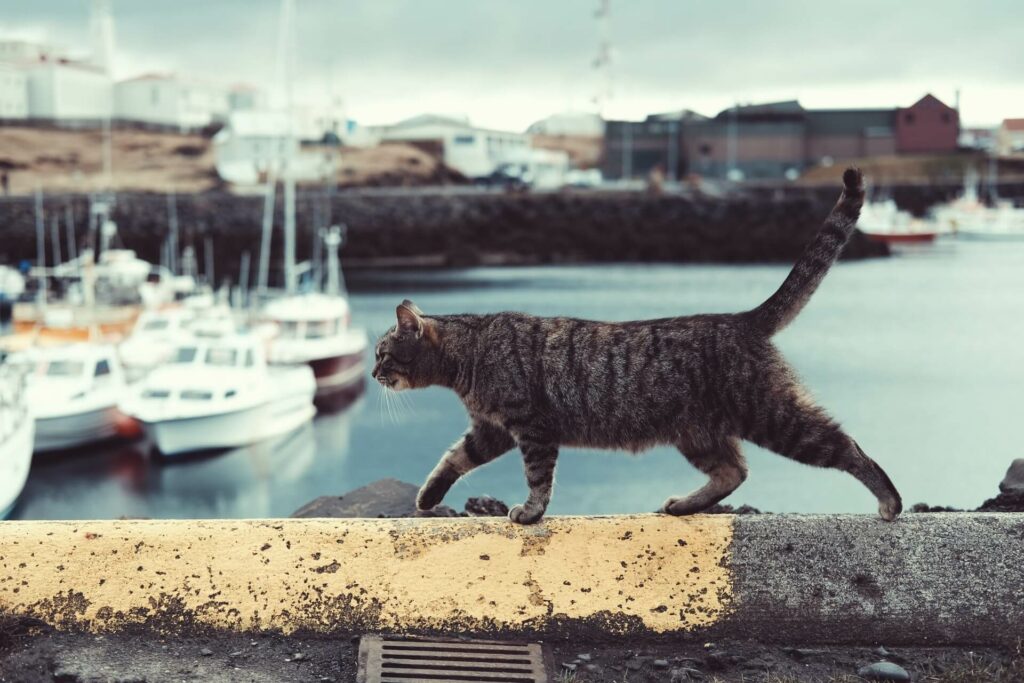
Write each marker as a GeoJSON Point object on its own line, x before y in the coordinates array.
{"type": "Point", "coordinates": [700, 383]}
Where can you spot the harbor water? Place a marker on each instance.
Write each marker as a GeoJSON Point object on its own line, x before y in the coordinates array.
{"type": "Point", "coordinates": [920, 356]}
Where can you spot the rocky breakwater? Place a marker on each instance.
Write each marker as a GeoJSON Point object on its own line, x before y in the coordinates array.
{"type": "Point", "coordinates": [464, 228]}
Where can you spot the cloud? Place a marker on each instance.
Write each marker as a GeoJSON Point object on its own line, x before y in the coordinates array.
{"type": "Point", "coordinates": [507, 63]}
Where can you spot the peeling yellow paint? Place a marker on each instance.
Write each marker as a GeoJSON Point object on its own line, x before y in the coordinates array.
{"type": "Point", "coordinates": [641, 573]}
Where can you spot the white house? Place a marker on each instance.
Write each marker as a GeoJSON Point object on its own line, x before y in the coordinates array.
{"type": "Point", "coordinates": [255, 143]}
{"type": "Point", "coordinates": [574, 123]}
{"type": "Point", "coordinates": [62, 89]}
{"type": "Point", "coordinates": [13, 92]}
{"type": "Point", "coordinates": [472, 151]}
{"type": "Point", "coordinates": [1011, 137]}
{"type": "Point", "coordinates": [169, 100]}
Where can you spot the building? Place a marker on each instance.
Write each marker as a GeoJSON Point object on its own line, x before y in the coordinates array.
{"type": "Point", "coordinates": [169, 100]}
{"type": "Point", "coordinates": [752, 141]}
{"type": "Point", "coordinates": [1011, 137]}
{"type": "Point", "coordinates": [253, 144]}
{"type": "Point", "coordinates": [981, 139]}
{"type": "Point", "coordinates": [927, 127]}
{"type": "Point", "coordinates": [569, 123]}
{"type": "Point", "coordinates": [632, 149]}
{"type": "Point", "coordinates": [68, 91]}
{"type": "Point", "coordinates": [774, 140]}
{"type": "Point", "coordinates": [13, 92]}
{"type": "Point", "coordinates": [470, 150]}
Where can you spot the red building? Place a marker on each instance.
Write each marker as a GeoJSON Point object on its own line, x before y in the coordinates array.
{"type": "Point", "coordinates": [927, 127]}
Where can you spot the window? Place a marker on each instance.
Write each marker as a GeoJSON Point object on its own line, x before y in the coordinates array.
{"type": "Point", "coordinates": [154, 95]}
{"type": "Point", "coordinates": [289, 329]}
{"type": "Point", "coordinates": [317, 329]}
{"type": "Point", "coordinates": [156, 325]}
{"type": "Point", "coordinates": [64, 368]}
{"type": "Point", "coordinates": [102, 368]}
{"type": "Point", "coordinates": [250, 359]}
{"type": "Point", "coordinates": [464, 139]}
{"type": "Point", "coordinates": [185, 354]}
{"type": "Point", "coordinates": [156, 393]}
{"type": "Point", "coordinates": [221, 357]}
{"type": "Point", "coordinates": [194, 395]}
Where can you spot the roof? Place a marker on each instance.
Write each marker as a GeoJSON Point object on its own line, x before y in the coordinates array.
{"type": "Point", "coordinates": [786, 110]}
{"type": "Point", "coordinates": [929, 100]}
{"type": "Point", "coordinates": [431, 119]}
{"type": "Point", "coordinates": [1013, 124]}
{"type": "Point", "coordinates": [153, 76]}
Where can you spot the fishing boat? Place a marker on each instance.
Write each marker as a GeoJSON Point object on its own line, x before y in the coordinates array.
{"type": "Point", "coordinates": [73, 392]}
{"type": "Point", "coordinates": [16, 434]}
{"type": "Point", "coordinates": [314, 329]}
{"type": "Point", "coordinates": [217, 393]}
{"type": "Point", "coordinates": [1002, 223]}
{"type": "Point", "coordinates": [151, 342]}
{"type": "Point", "coordinates": [883, 221]}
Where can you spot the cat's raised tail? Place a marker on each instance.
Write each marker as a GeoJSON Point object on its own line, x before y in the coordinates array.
{"type": "Point", "coordinates": [809, 270]}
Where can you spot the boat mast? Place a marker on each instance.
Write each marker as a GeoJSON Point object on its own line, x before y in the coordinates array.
{"type": "Point", "coordinates": [40, 249]}
{"type": "Point", "coordinates": [288, 59]}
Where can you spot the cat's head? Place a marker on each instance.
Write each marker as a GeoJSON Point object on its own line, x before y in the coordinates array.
{"type": "Point", "coordinates": [406, 355]}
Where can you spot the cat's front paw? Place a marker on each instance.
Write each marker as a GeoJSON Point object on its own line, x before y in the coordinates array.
{"type": "Point", "coordinates": [520, 515]}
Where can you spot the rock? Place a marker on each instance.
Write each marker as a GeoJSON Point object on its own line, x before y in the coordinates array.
{"type": "Point", "coordinates": [634, 664]}
{"type": "Point", "coordinates": [660, 663]}
{"type": "Point", "coordinates": [882, 652]}
{"type": "Point", "coordinates": [237, 653]}
{"type": "Point", "coordinates": [593, 668]}
{"type": "Point", "coordinates": [1004, 502]}
{"type": "Point", "coordinates": [726, 509]}
{"type": "Point", "coordinates": [1013, 482]}
{"type": "Point", "coordinates": [486, 506]}
{"type": "Point", "coordinates": [925, 507]}
{"type": "Point", "coordinates": [568, 666]}
{"type": "Point", "coordinates": [686, 674]}
{"type": "Point", "coordinates": [583, 658]}
{"type": "Point", "coordinates": [383, 498]}
{"type": "Point", "coordinates": [298, 657]}
{"type": "Point", "coordinates": [439, 511]}
{"type": "Point", "coordinates": [883, 671]}
{"type": "Point", "coordinates": [206, 652]}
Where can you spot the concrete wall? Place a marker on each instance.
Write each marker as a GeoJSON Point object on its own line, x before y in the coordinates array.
{"type": "Point", "coordinates": [927, 579]}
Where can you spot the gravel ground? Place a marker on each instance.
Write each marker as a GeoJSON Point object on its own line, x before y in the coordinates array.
{"type": "Point", "coordinates": [28, 655]}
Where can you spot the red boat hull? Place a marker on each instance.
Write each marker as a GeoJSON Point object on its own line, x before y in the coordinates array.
{"type": "Point", "coordinates": [338, 376]}
{"type": "Point", "coordinates": [905, 238]}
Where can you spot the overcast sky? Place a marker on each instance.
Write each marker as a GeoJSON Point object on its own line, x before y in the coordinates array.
{"type": "Point", "coordinates": [506, 63]}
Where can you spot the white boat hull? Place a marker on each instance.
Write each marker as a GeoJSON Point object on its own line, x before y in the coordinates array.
{"type": "Point", "coordinates": [232, 429]}
{"type": "Point", "coordinates": [76, 429]}
{"type": "Point", "coordinates": [15, 461]}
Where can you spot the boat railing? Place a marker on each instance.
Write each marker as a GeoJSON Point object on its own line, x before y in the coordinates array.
{"type": "Point", "coordinates": [13, 402]}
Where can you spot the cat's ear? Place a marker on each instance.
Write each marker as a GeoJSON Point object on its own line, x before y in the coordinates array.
{"type": "Point", "coordinates": [410, 318]}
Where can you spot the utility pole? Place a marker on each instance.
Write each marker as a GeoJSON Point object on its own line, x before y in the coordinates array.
{"type": "Point", "coordinates": [603, 61]}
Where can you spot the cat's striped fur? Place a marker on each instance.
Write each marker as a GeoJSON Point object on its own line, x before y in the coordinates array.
{"type": "Point", "coordinates": [701, 383]}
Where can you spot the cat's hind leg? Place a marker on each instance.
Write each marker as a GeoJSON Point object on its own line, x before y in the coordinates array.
{"type": "Point", "coordinates": [726, 468]}
{"type": "Point", "coordinates": [481, 444]}
{"type": "Point", "coordinates": [794, 427]}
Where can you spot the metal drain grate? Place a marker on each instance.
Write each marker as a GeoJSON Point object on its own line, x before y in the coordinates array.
{"type": "Point", "coordinates": [403, 660]}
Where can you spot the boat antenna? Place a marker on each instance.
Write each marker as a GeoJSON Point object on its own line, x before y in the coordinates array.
{"type": "Point", "coordinates": [333, 238]}
{"type": "Point", "coordinates": [263, 275]}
